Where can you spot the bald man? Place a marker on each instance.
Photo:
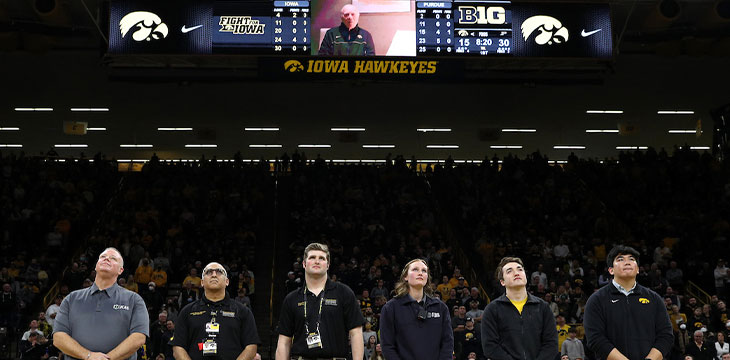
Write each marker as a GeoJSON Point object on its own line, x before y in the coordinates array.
{"type": "Point", "coordinates": [348, 38]}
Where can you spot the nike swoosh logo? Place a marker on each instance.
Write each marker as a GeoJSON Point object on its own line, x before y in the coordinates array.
{"type": "Point", "coordinates": [614, 301]}
{"type": "Point", "coordinates": [187, 30]}
{"type": "Point", "coordinates": [583, 32]}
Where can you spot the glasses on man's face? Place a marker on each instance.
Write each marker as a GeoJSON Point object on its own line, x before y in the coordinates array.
{"type": "Point", "coordinates": [220, 272]}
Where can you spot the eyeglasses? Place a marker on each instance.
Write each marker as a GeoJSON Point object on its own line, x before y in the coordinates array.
{"type": "Point", "coordinates": [218, 271]}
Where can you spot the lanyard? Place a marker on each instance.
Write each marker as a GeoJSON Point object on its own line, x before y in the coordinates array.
{"type": "Point", "coordinates": [319, 315]}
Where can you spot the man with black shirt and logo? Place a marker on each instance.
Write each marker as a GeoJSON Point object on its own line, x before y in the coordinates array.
{"type": "Point", "coordinates": [624, 320]}
{"type": "Point", "coordinates": [317, 319]}
{"type": "Point", "coordinates": [518, 325]}
{"type": "Point", "coordinates": [215, 326]}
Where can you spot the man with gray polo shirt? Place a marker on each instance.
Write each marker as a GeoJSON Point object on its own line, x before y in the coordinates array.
{"type": "Point", "coordinates": [103, 321]}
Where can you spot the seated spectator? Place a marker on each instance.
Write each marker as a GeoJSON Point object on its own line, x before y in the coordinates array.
{"type": "Point", "coordinates": [187, 294]}
{"type": "Point", "coordinates": [721, 346]}
{"type": "Point", "coordinates": [677, 317]}
{"type": "Point", "coordinates": [159, 277]}
{"type": "Point", "coordinates": [444, 288]}
{"type": "Point", "coordinates": [458, 322]}
{"type": "Point", "coordinates": [370, 345]}
{"type": "Point", "coordinates": [143, 274]}
{"type": "Point", "coordinates": [33, 329]}
{"type": "Point", "coordinates": [43, 325]}
{"type": "Point", "coordinates": [243, 298]}
{"type": "Point", "coordinates": [380, 290]}
{"type": "Point", "coordinates": [35, 347]}
{"type": "Point", "coordinates": [131, 284]}
{"type": "Point", "coordinates": [474, 312]}
{"type": "Point", "coordinates": [194, 279]}
{"type": "Point", "coordinates": [573, 347]}
{"type": "Point", "coordinates": [53, 309]}
{"type": "Point", "coordinates": [474, 297]}
{"type": "Point", "coordinates": [699, 349]}
{"type": "Point", "coordinates": [368, 331]}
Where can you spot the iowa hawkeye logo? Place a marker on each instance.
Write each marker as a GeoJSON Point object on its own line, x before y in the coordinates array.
{"type": "Point", "coordinates": [644, 300]}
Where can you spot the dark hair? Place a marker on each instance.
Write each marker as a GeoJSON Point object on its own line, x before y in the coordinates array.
{"type": "Point", "coordinates": [621, 250]}
{"type": "Point", "coordinates": [505, 261]}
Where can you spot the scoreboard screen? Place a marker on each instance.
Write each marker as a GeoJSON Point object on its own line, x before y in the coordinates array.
{"type": "Point", "coordinates": [413, 28]}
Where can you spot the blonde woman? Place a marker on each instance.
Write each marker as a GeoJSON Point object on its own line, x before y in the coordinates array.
{"type": "Point", "coordinates": [414, 324]}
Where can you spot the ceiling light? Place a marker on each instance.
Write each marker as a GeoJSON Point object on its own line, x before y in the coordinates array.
{"type": "Point", "coordinates": [347, 129]}
{"type": "Point", "coordinates": [606, 131]}
{"type": "Point", "coordinates": [434, 130]}
{"type": "Point", "coordinates": [175, 129]}
{"type": "Point", "coordinates": [264, 146]}
{"type": "Point", "coordinates": [90, 109]}
{"type": "Point", "coordinates": [442, 146]}
{"type": "Point", "coordinates": [505, 146]}
{"type": "Point", "coordinates": [261, 129]}
{"type": "Point", "coordinates": [378, 146]}
{"type": "Point", "coordinates": [520, 130]}
{"type": "Point", "coordinates": [96, 129]}
{"type": "Point", "coordinates": [9, 128]}
{"type": "Point", "coordinates": [699, 148]}
{"type": "Point", "coordinates": [135, 146]}
{"type": "Point", "coordinates": [604, 111]}
{"type": "Point", "coordinates": [71, 145]}
{"type": "Point", "coordinates": [631, 147]}
{"type": "Point", "coordinates": [201, 146]}
{"type": "Point", "coordinates": [11, 145]}
{"type": "Point", "coordinates": [314, 146]}
{"type": "Point", "coordinates": [34, 109]}
{"type": "Point", "coordinates": [569, 147]}
{"type": "Point", "coordinates": [676, 131]}
{"type": "Point", "coordinates": [675, 112]}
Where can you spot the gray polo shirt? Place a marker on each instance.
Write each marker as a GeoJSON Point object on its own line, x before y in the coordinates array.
{"type": "Point", "coordinates": [100, 320]}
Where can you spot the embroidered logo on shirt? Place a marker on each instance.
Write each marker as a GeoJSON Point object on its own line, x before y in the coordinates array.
{"type": "Point", "coordinates": [331, 302]}
{"type": "Point", "coordinates": [120, 307]}
{"type": "Point", "coordinates": [644, 300]}
{"type": "Point", "coordinates": [197, 313]}
{"type": "Point", "coordinates": [432, 315]}
{"type": "Point", "coordinates": [301, 303]}
{"type": "Point", "coordinates": [228, 313]}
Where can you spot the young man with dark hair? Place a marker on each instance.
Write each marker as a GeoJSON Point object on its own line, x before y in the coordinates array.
{"type": "Point", "coordinates": [624, 320]}
{"type": "Point", "coordinates": [518, 325]}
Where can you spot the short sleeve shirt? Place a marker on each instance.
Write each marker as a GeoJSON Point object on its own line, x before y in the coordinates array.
{"type": "Point", "coordinates": [340, 313]}
{"type": "Point", "coordinates": [237, 328]}
{"type": "Point", "coordinates": [100, 320]}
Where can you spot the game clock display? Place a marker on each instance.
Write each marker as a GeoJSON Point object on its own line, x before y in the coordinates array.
{"type": "Point", "coordinates": [463, 27]}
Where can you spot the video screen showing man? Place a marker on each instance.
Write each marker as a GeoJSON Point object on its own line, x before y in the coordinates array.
{"type": "Point", "coordinates": [348, 38]}
{"type": "Point", "coordinates": [347, 28]}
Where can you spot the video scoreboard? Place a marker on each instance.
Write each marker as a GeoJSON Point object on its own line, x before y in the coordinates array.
{"type": "Point", "coordinates": [415, 28]}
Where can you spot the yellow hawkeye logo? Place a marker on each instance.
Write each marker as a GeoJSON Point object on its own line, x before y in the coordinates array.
{"type": "Point", "coordinates": [644, 300]}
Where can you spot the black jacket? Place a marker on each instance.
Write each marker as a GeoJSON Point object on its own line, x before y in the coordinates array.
{"type": "Point", "coordinates": [508, 335]}
{"type": "Point", "coordinates": [632, 324]}
{"type": "Point", "coordinates": [404, 336]}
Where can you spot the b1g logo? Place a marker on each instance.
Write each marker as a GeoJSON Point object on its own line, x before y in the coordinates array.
{"type": "Point", "coordinates": [482, 15]}
{"type": "Point", "coordinates": [148, 25]}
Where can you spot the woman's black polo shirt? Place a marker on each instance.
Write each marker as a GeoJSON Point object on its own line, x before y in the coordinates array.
{"type": "Point", "coordinates": [237, 327]}
{"type": "Point", "coordinates": [340, 314]}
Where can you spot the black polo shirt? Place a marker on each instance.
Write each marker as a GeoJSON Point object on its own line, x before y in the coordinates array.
{"type": "Point", "coordinates": [340, 314]}
{"type": "Point", "coordinates": [237, 327]}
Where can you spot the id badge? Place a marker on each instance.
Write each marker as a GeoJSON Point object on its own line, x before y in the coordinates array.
{"type": "Point", "coordinates": [212, 328]}
{"type": "Point", "coordinates": [210, 347]}
{"type": "Point", "coordinates": [314, 341]}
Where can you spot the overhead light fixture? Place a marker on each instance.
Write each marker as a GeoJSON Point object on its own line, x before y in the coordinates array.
{"type": "Point", "coordinates": [174, 129]}
{"type": "Point", "coordinates": [557, 161]}
{"type": "Point", "coordinates": [442, 146]}
{"type": "Point", "coordinates": [505, 146]}
{"type": "Point", "coordinates": [632, 147]}
{"type": "Point", "coordinates": [434, 130]}
{"type": "Point", "coordinates": [314, 146]}
{"type": "Point", "coordinates": [675, 112]}
{"type": "Point", "coordinates": [71, 145]}
{"type": "Point", "coordinates": [347, 129]}
{"type": "Point", "coordinates": [604, 111]}
{"type": "Point", "coordinates": [34, 109]}
{"type": "Point", "coordinates": [9, 128]}
{"type": "Point", "coordinates": [678, 131]}
{"type": "Point", "coordinates": [519, 130]}
{"type": "Point", "coordinates": [265, 146]}
{"type": "Point", "coordinates": [372, 146]}
{"type": "Point", "coordinates": [96, 129]}
{"type": "Point", "coordinates": [599, 131]}
{"type": "Point", "coordinates": [261, 129]}
{"type": "Point", "coordinates": [135, 146]}
{"type": "Point", "coordinates": [699, 148]}
{"type": "Point", "coordinates": [11, 145]}
{"type": "Point", "coordinates": [201, 146]}
{"type": "Point", "coordinates": [132, 160]}
{"type": "Point", "coordinates": [90, 109]}
{"type": "Point", "coordinates": [569, 147]}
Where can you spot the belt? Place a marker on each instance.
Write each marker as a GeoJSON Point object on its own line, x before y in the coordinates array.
{"type": "Point", "coordinates": [308, 358]}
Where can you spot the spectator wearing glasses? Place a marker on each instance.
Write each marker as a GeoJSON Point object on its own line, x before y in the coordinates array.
{"type": "Point", "coordinates": [215, 325]}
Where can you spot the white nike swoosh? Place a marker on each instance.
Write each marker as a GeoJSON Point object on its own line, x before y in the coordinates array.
{"type": "Point", "coordinates": [187, 30]}
{"type": "Point", "coordinates": [613, 301]}
{"type": "Point", "coordinates": [583, 33]}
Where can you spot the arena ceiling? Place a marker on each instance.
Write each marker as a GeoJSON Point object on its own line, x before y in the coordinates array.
{"type": "Point", "coordinates": [670, 56]}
